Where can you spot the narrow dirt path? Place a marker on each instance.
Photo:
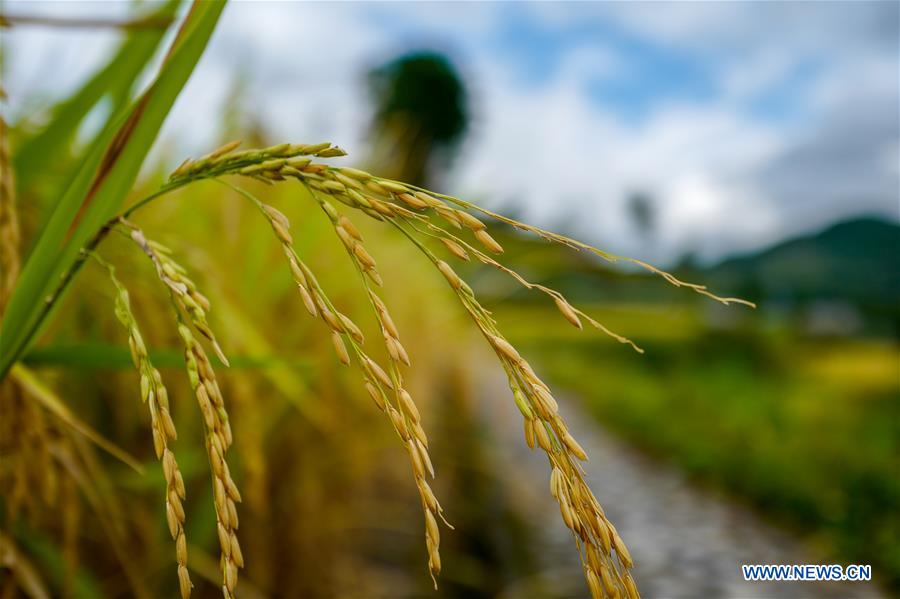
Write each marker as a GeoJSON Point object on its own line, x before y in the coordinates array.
{"type": "Point", "coordinates": [686, 542]}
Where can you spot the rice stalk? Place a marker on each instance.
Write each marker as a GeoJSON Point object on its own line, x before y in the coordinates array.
{"type": "Point", "coordinates": [31, 481]}
{"type": "Point", "coordinates": [218, 439]}
{"type": "Point", "coordinates": [461, 249]}
{"type": "Point", "coordinates": [217, 428]}
{"type": "Point", "coordinates": [71, 525]}
{"type": "Point", "coordinates": [9, 219]}
{"type": "Point", "coordinates": [602, 551]}
{"type": "Point", "coordinates": [23, 431]}
{"type": "Point", "coordinates": [78, 463]}
{"type": "Point", "coordinates": [402, 412]}
{"type": "Point", "coordinates": [154, 394]}
{"type": "Point", "coordinates": [68, 458]}
{"type": "Point", "coordinates": [25, 573]}
{"type": "Point", "coordinates": [579, 245]}
{"type": "Point", "coordinates": [40, 468]}
{"type": "Point", "coordinates": [182, 288]}
{"type": "Point", "coordinates": [63, 420]}
{"type": "Point", "coordinates": [417, 440]}
{"type": "Point", "coordinates": [384, 199]}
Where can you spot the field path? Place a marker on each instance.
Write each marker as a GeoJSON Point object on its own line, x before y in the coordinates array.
{"type": "Point", "coordinates": [686, 542]}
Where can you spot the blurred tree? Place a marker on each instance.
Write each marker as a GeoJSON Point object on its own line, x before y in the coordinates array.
{"type": "Point", "coordinates": [642, 210]}
{"type": "Point", "coordinates": [420, 117]}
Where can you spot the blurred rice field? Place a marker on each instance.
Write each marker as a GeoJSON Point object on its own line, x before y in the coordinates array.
{"type": "Point", "coordinates": [803, 429]}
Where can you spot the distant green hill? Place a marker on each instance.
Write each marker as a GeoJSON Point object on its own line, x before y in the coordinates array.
{"type": "Point", "coordinates": [856, 262]}
{"type": "Point", "coordinates": [851, 266]}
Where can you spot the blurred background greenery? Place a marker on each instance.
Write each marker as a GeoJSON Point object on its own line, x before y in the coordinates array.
{"type": "Point", "coordinates": [789, 413]}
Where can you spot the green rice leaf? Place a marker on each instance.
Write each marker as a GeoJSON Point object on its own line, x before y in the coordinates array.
{"type": "Point", "coordinates": [115, 80]}
{"type": "Point", "coordinates": [53, 404]}
{"type": "Point", "coordinates": [101, 185]}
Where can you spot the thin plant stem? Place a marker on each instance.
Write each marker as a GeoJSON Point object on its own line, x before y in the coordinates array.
{"type": "Point", "coordinates": [73, 270]}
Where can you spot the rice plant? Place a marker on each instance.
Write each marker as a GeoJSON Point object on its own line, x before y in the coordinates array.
{"type": "Point", "coordinates": [440, 227]}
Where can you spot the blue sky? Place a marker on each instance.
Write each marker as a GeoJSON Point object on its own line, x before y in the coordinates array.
{"type": "Point", "coordinates": [744, 122]}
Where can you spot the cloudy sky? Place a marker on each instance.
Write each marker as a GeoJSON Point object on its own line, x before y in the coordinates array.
{"type": "Point", "coordinates": [744, 122]}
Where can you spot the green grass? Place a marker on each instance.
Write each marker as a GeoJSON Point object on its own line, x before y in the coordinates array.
{"type": "Point", "coordinates": [805, 430]}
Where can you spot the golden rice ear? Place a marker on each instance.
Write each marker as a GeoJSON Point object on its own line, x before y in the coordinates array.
{"type": "Point", "coordinates": [153, 393]}
{"type": "Point", "coordinates": [544, 428]}
{"type": "Point", "coordinates": [217, 430]}
{"type": "Point", "coordinates": [343, 330]}
{"type": "Point", "coordinates": [203, 381]}
{"type": "Point", "coordinates": [182, 289]}
{"type": "Point", "coordinates": [572, 314]}
{"type": "Point", "coordinates": [403, 413]}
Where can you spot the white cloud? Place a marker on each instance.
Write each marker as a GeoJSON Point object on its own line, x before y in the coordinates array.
{"type": "Point", "coordinates": [724, 179]}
